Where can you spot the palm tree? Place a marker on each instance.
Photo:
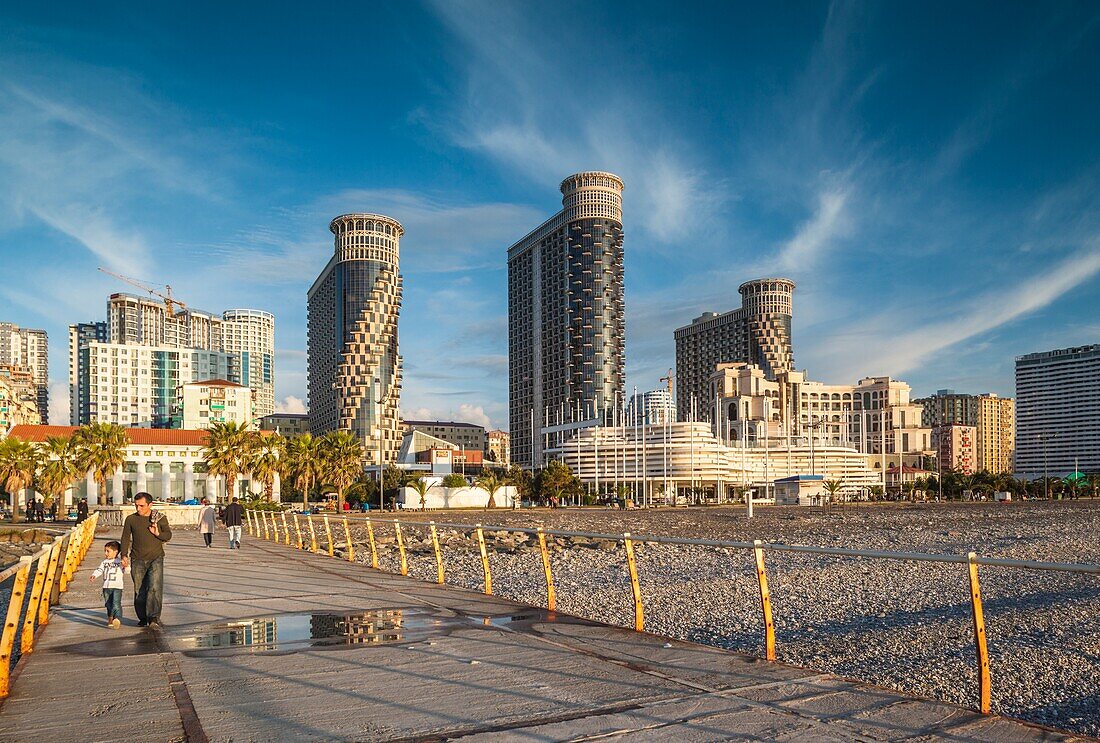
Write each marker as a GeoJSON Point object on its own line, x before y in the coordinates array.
{"type": "Point", "coordinates": [342, 461]}
{"type": "Point", "coordinates": [101, 450]}
{"type": "Point", "coordinates": [1093, 479]}
{"type": "Point", "coordinates": [490, 482]}
{"type": "Point", "coordinates": [421, 486]}
{"type": "Point", "coordinates": [304, 463]}
{"type": "Point", "coordinates": [228, 452]}
{"type": "Point", "coordinates": [18, 462]}
{"type": "Point", "coordinates": [59, 468]}
{"type": "Point", "coordinates": [268, 459]}
{"type": "Point", "coordinates": [833, 487]}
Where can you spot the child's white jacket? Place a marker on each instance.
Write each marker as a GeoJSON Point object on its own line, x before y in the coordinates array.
{"type": "Point", "coordinates": [112, 572]}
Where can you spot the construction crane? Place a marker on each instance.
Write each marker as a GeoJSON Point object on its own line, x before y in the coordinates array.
{"type": "Point", "coordinates": [169, 301]}
{"type": "Point", "coordinates": [668, 380]}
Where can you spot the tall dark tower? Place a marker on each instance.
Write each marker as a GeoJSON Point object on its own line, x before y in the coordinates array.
{"type": "Point", "coordinates": [354, 363]}
{"type": "Point", "coordinates": [566, 325]}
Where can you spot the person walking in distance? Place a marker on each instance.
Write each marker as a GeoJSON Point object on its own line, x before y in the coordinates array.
{"type": "Point", "coordinates": [81, 510]}
{"type": "Point", "coordinates": [143, 536]}
{"type": "Point", "coordinates": [233, 515]}
{"type": "Point", "coordinates": [206, 522]}
{"type": "Point", "coordinates": [112, 571]}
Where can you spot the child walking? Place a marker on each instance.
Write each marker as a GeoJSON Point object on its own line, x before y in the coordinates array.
{"type": "Point", "coordinates": [112, 571]}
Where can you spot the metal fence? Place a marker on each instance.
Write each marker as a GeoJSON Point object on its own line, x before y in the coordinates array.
{"type": "Point", "coordinates": [266, 525]}
{"type": "Point", "coordinates": [54, 565]}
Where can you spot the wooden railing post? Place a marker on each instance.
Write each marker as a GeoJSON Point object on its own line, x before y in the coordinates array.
{"type": "Point", "coordinates": [373, 546]}
{"type": "Point", "coordinates": [765, 600]}
{"type": "Point", "coordinates": [7, 640]}
{"type": "Point", "coordinates": [248, 520]}
{"type": "Point", "coordinates": [55, 589]}
{"type": "Point", "coordinates": [347, 536]}
{"type": "Point", "coordinates": [51, 580]}
{"type": "Point", "coordinates": [438, 554]}
{"type": "Point", "coordinates": [267, 534]}
{"type": "Point", "coordinates": [635, 586]}
{"type": "Point", "coordinates": [401, 547]}
{"type": "Point", "coordinates": [551, 601]}
{"type": "Point", "coordinates": [312, 534]}
{"type": "Point", "coordinates": [484, 561]}
{"type": "Point", "coordinates": [328, 531]}
{"type": "Point", "coordinates": [286, 528]}
{"type": "Point", "coordinates": [980, 648]}
{"type": "Point", "coordinates": [298, 530]}
{"type": "Point", "coordinates": [27, 644]}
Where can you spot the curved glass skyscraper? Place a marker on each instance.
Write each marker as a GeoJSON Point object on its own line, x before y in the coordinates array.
{"type": "Point", "coordinates": [566, 329]}
{"type": "Point", "coordinates": [354, 363]}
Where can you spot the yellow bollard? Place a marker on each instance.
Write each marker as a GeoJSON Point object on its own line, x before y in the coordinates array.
{"type": "Point", "coordinates": [267, 534]}
{"type": "Point", "coordinates": [635, 586]}
{"type": "Point", "coordinates": [765, 600]}
{"type": "Point", "coordinates": [347, 536]}
{"type": "Point", "coordinates": [438, 554]}
{"type": "Point", "coordinates": [27, 643]}
{"type": "Point", "coordinates": [373, 548]}
{"type": "Point", "coordinates": [551, 600]}
{"type": "Point", "coordinates": [51, 577]}
{"type": "Point", "coordinates": [401, 547]}
{"type": "Point", "coordinates": [328, 531]}
{"type": "Point", "coordinates": [298, 530]}
{"type": "Point", "coordinates": [286, 529]}
{"type": "Point", "coordinates": [484, 561]}
{"type": "Point", "coordinates": [312, 534]}
{"type": "Point", "coordinates": [982, 652]}
{"type": "Point", "coordinates": [275, 528]}
{"type": "Point", "coordinates": [7, 640]}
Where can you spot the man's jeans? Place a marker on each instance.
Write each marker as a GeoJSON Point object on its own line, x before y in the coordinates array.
{"type": "Point", "coordinates": [148, 578]}
{"type": "Point", "coordinates": [112, 599]}
{"type": "Point", "coordinates": [234, 536]}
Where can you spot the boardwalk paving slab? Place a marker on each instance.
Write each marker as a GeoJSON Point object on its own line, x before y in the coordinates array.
{"type": "Point", "coordinates": [461, 666]}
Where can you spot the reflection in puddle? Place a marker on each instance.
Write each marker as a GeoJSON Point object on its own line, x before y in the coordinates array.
{"type": "Point", "coordinates": [288, 632]}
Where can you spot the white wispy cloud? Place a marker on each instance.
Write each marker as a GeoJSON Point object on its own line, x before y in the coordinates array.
{"type": "Point", "coordinates": [521, 110]}
{"type": "Point", "coordinates": [815, 236]}
{"type": "Point", "coordinates": [878, 346]}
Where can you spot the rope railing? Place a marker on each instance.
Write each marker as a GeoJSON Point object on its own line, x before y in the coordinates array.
{"type": "Point", "coordinates": [258, 527]}
{"type": "Point", "coordinates": [55, 564]}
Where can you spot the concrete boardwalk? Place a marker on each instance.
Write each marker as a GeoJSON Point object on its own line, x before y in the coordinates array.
{"type": "Point", "coordinates": [434, 663]}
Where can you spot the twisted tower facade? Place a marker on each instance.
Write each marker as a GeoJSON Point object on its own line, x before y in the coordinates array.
{"type": "Point", "coordinates": [354, 363]}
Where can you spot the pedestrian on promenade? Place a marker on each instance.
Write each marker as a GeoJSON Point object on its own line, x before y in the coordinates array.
{"type": "Point", "coordinates": [81, 510]}
{"type": "Point", "coordinates": [143, 536]}
{"type": "Point", "coordinates": [206, 522]}
{"type": "Point", "coordinates": [112, 571]}
{"type": "Point", "coordinates": [233, 516]}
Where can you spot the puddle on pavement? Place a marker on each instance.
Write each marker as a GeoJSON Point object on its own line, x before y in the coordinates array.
{"type": "Point", "coordinates": [292, 632]}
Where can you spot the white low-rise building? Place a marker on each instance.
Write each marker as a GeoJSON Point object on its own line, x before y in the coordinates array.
{"type": "Point", "coordinates": [167, 463]}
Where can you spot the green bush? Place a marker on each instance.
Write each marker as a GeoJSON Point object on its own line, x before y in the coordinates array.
{"type": "Point", "coordinates": [454, 481]}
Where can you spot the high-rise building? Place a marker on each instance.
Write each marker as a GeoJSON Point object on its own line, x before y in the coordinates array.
{"type": "Point", "coordinates": [18, 398]}
{"type": "Point", "coordinates": [250, 335]}
{"type": "Point", "coordinates": [29, 349]}
{"type": "Point", "coordinates": [650, 408]}
{"type": "Point", "coordinates": [81, 335]}
{"type": "Point", "coordinates": [245, 337]}
{"type": "Point", "coordinates": [354, 363]}
{"type": "Point", "coordinates": [956, 444]}
{"type": "Point", "coordinates": [1058, 412]}
{"type": "Point", "coordinates": [137, 386]}
{"type": "Point", "coordinates": [566, 325]}
{"type": "Point", "coordinates": [758, 333]}
{"type": "Point", "coordinates": [991, 416]}
{"type": "Point", "coordinates": [996, 443]}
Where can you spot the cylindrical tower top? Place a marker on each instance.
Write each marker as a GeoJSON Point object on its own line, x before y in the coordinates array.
{"type": "Point", "coordinates": [367, 237]}
{"type": "Point", "coordinates": [765, 296]}
{"type": "Point", "coordinates": [593, 194]}
{"type": "Point", "coordinates": [759, 286]}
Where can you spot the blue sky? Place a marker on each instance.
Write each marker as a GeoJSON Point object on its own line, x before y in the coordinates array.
{"type": "Point", "coordinates": [928, 173]}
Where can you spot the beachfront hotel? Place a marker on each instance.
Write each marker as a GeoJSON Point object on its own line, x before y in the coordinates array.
{"type": "Point", "coordinates": [566, 325]}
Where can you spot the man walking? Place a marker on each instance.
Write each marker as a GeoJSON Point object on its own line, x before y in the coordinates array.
{"type": "Point", "coordinates": [233, 516]}
{"type": "Point", "coordinates": [143, 536]}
